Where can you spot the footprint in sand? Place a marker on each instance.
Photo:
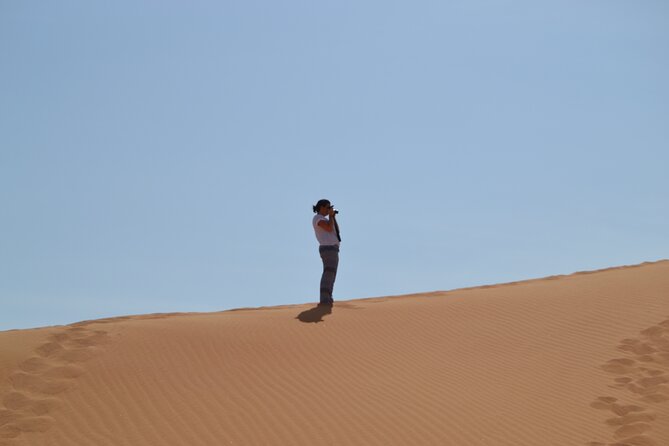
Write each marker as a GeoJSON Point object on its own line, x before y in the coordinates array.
{"type": "Point", "coordinates": [662, 359]}
{"type": "Point", "coordinates": [610, 403]}
{"type": "Point", "coordinates": [619, 366]}
{"type": "Point", "coordinates": [40, 379]}
{"type": "Point", "coordinates": [7, 416]}
{"type": "Point", "coordinates": [632, 430]}
{"type": "Point", "coordinates": [637, 347]}
{"type": "Point", "coordinates": [19, 401]}
{"type": "Point", "coordinates": [34, 365]}
{"type": "Point", "coordinates": [645, 379]}
{"type": "Point", "coordinates": [49, 349]}
{"type": "Point", "coordinates": [36, 384]}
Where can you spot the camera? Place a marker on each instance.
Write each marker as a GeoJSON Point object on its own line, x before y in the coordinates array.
{"type": "Point", "coordinates": [336, 211]}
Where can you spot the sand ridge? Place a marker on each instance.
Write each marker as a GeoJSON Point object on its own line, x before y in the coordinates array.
{"type": "Point", "coordinates": [578, 360]}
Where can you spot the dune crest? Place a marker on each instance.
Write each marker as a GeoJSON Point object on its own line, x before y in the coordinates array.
{"type": "Point", "coordinates": [581, 359]}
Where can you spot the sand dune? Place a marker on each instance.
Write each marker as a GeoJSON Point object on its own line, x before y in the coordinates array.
{"type": "Point", "coordinates": [566, 360]}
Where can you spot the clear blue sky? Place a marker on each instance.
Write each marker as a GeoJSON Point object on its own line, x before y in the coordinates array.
{"type": "Point", "coordinates": [164, 156]}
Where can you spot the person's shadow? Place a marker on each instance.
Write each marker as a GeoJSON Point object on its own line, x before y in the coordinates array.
{"type": "Point", "coordinates": [315, 314]}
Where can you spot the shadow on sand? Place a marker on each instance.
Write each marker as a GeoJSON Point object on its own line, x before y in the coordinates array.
{"type": "Point", "coordinates": [315, 314]}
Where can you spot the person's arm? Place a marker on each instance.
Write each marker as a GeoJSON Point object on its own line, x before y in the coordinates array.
{"type": "Point", "coordinates": [328, 225]}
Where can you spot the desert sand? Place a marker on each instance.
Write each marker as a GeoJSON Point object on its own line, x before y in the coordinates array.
{"type": "Point", "coordinates": [580, 359]}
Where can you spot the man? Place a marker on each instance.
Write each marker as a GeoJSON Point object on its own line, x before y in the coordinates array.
{"type": "Point", "coordinates": [327, 233]}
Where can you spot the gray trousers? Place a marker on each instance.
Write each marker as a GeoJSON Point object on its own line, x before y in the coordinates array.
{"type": "Point", "coordinates": [330, 257]}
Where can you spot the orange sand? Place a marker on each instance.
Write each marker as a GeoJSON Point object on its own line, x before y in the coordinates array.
{"type": "Point", "coordinates": [568, 360]}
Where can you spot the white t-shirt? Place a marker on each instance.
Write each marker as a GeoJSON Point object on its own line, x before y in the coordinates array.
{"type": "Point", "coordinates": [324, 237]}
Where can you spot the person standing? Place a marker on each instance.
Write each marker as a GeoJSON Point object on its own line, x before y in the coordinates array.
{"type": "Point", "coordinates": [327, 233]}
